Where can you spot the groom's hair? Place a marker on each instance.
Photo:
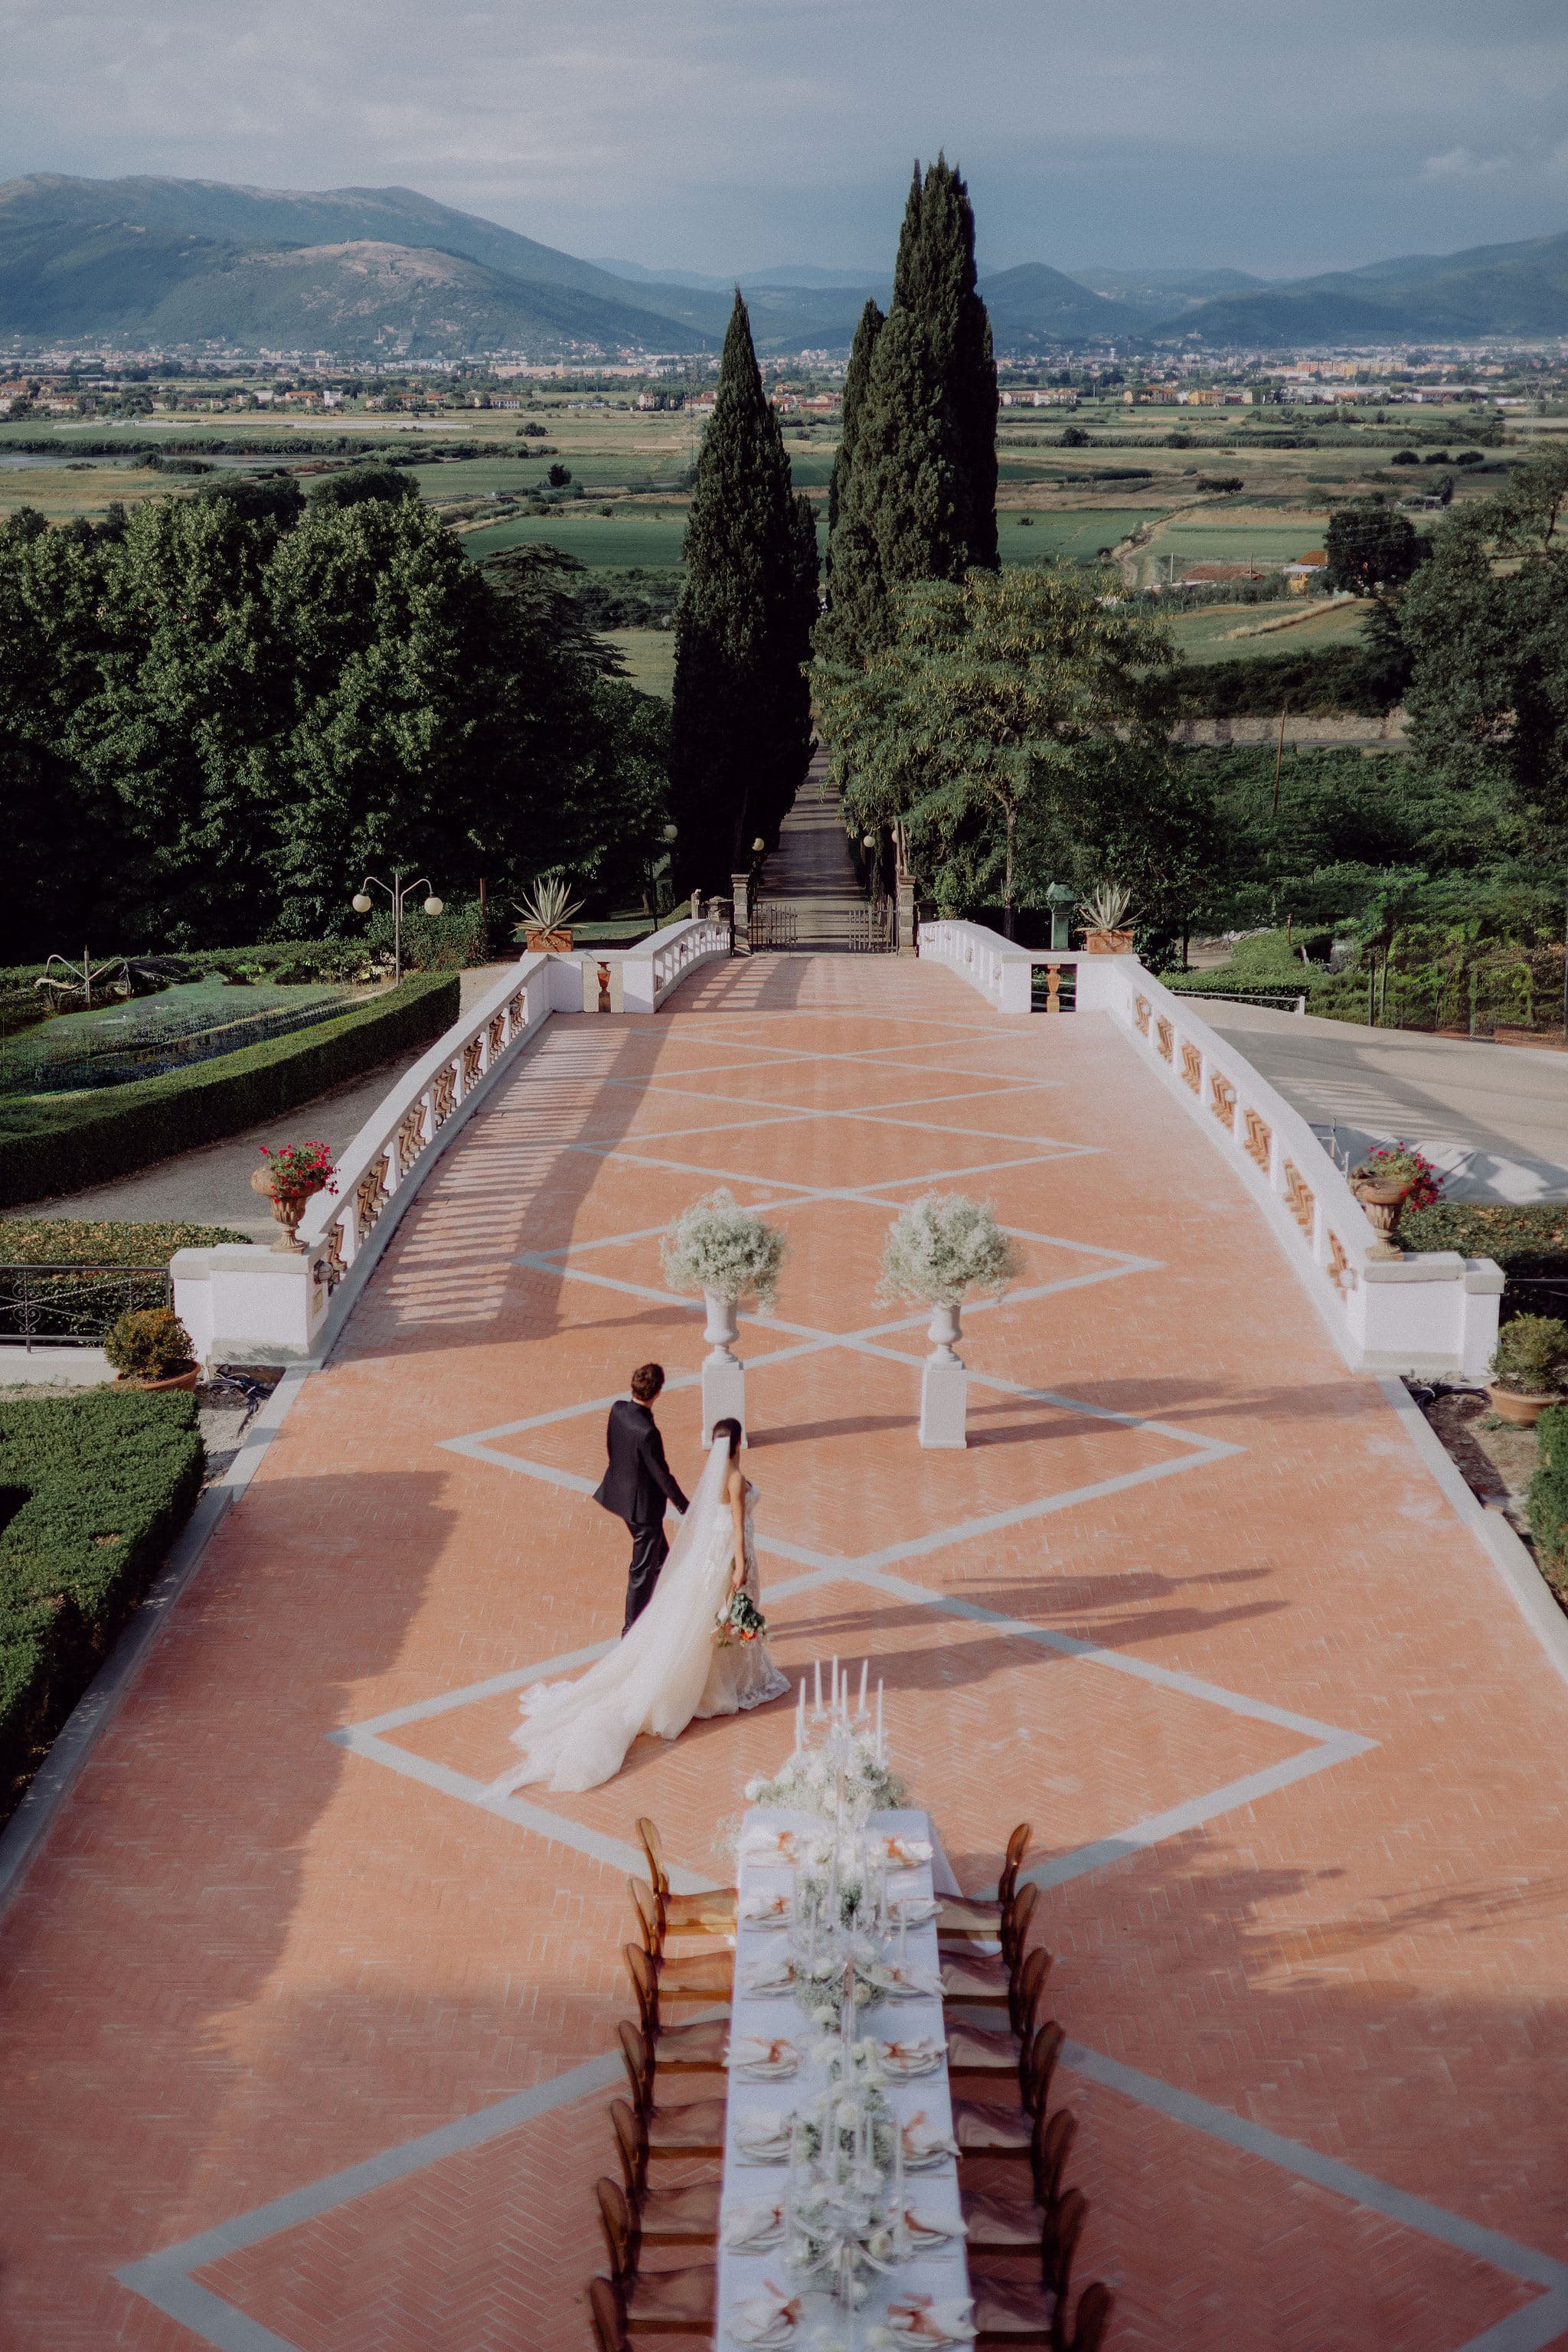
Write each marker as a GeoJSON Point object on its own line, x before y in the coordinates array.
{"type": "Point", "coordinates": [646, 1381]}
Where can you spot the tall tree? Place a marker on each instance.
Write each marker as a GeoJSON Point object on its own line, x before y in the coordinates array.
{"type": "Point", "coordinates": [856, 377]}
{"type": "Point", "coordinates": [917, 495]}
{"type": "Point", "coordinates": [1007, 711]}
{"type": "Point", "coordinates": [1485, 626]}
{"type": "Point", "coordinates": [740, 722]}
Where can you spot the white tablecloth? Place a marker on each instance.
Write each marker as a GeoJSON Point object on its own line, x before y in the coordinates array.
{"type": "Point", "coordinates": [933, 2195]}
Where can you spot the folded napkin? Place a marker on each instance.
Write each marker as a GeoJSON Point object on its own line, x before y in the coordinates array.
{"type": "Point", "coordinates": [760, 1845]}
{"type": "Point", "coordinates": [906, 1980]}
{"type": "Point", "coordinates": [926, 2236]}
{"type": "Point", "coordinates": [761, 1909]}
{"type": "Point", "coordinates": [775, 1974]}
{"type": "Point", "coordinates": [773, 2320]}
{"type": "Point", "coordinates": [759, 2060]}
{"type": "Point", "coordinates": [903, 1853]}
{"type": "Point", "coordinates": [901, 2061]}
{"type": "Point", "coordinates": [763, 2139]}
{"type": "Point", "coordinates": [925, 2142]}
{"type": "Point", "coordinates": [754, 2229]}
{"type": "Point", "coordinates": [913, 1910]}
{"type": "Point", "coordinates": [916, 2320]}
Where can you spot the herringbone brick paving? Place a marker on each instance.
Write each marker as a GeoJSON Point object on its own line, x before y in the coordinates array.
{"type": "Point", "coordinates": [247, 1960]}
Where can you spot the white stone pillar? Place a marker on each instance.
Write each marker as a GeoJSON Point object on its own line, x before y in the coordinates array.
{"type": "Point", "coordinates": [945, 1385]}
{"type": "Point", "coordinates": [723, 1374]}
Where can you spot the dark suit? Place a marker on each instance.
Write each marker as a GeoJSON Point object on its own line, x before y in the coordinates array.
{"type": "Point", "coordinates": [637, 1487]}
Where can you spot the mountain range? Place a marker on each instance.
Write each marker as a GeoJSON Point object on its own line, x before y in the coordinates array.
{"type": "Point", "coordinates": [361, 274]}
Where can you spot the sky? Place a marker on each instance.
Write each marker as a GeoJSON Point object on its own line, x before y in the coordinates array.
{"type": "Point", "coordinates": [1276, 136]}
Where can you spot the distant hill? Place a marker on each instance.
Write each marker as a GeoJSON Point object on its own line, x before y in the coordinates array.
{"type": "Point", "coordinates": [365, 273]}
{"type": "Point", "coordinates": [1033, 305]}
{"type": "Point", "coordinates": [151, 257]}
{"type": "Point", "coordinates": [1490, 289]}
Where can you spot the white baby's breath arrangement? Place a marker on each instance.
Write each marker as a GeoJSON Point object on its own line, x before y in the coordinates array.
{"type": "Point", "coordinates": [944, 1246]}
{"type": "Point", "coordinates": [813, 1782]}
{"type": "Point", "coordinates": [717, 1245]}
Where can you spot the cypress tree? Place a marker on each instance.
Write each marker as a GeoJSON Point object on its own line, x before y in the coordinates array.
{"type": "Point", "coordinates": [917, 495]}
{"type": "Point", "coordinates": [741, 723]}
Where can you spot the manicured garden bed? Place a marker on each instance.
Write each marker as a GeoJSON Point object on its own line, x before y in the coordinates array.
{"type": "Point", "coordinates": [57, 1143]}
{"type": "Point", "coordinates": [93, 1490]}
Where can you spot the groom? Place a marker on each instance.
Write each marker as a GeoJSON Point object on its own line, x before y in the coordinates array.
{"type": "Point", "coordinates": [639, 1484]}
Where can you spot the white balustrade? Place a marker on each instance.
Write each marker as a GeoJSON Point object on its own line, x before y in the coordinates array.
{"type": "Point", "coordinates": [242, 1304]}
{"type": "Point", "coordinates": [1425, 1311]}
{"type": "Point", "coordinates": [654, 966]}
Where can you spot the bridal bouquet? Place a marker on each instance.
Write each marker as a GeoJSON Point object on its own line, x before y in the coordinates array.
{"type": "Point", "coordinates": [740, 1620]}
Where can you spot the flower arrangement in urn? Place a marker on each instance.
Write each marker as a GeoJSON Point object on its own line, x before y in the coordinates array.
{"type": "Point", "coordinates": [150, 1349]}
{"type": "Point", "coordinates": [293, 1174]}
{"type": "Point", "coordinates": [1529, 1368]}
{"type": "Point", "coordinates": [941, 1247]}
{"type": "Point", "coordinates": [1394, 1177]}
{"type": "Point", "coordinates": [720, 1249]}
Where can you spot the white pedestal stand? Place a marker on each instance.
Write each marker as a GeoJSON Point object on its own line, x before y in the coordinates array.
{"type": "Point", "coordinates": [723, 1374]}
{"type": "Point", "coordinates": [944, 1384]}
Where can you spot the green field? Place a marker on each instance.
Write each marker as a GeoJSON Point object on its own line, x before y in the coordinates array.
{"type": "Point", "coordinates": [1079, 533]}
{"type": "Point", "coordinates": [649, 658]}
{"type": "Point", "coordinates": [649, 536]}
{"type": "Point", "coordinates": [1205, 636]}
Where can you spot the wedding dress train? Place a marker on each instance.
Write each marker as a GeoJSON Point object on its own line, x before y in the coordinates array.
{"type": "Point", "coordinates": [663, 1671]}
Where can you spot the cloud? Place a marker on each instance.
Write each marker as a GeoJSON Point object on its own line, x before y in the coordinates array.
{"type": "Point", "coordinates": [1464, 164]}
{"type": "Point", "coordinates": [724, 134]}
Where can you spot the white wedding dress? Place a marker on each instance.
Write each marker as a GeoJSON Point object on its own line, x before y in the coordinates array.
{"type": "Point", "coordinates": [663, 1671]}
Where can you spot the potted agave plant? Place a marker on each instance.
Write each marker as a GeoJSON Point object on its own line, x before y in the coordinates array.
{"type": "Point", "coordinates": [1528, 1368]}
{"type": "Point", "coordinates": [150, 1349]}
{"type": "Point", "coordinates": [1107, 929]}
{"type": "Point", "coordinates": [547, 912]}
{"type": "Point", "coordinates": [293, 1174]}
{"type": "Point", "coordinates": [720, 1249]}
{"type": "Point", "coordinates": [940, 1248]}
{"type": "Point", "coordinates": [1391, 1179]}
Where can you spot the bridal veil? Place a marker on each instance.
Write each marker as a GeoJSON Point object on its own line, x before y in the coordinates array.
{"type": "Point", "coordinates": [574, 1735]}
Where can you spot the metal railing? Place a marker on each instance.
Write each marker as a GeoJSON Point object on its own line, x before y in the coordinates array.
{"type": "Point", "coordinates": [64, 1305]}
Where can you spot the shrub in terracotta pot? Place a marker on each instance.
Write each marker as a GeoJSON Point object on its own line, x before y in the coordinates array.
{"type": "Point", "coordinates": [1106, 930]}
{"type": "Point", "coordinates": [1528, 1368]}
{"type": "Point", "coordinates": [150, 1349]}
{"type": "Point", "coordinates": [547, 912]}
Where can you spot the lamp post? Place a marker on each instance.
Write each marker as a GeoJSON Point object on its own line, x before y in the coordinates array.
{"type": "Point", "coordinates": [398, 890]}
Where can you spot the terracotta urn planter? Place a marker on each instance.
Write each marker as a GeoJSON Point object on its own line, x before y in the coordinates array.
{"type": "Point", "coordinates": [1107, 942]}
{"type": "Point", "coordinates": [1384, 1202]}
{"type": "Point", "coordinates": [557, 942]}
{"type": "Point", "coordinates": [287, 1206]}
{"type": "Point", "coordinates": [1523, 1411]}
{"type": "Point", "coordinates": [186, 1380]}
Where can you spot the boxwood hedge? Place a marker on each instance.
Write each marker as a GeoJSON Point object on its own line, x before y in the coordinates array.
{"type": "Point", "coordinates": [93, 1490]}
{"type": "Point", "coordinates": [57, 1143]}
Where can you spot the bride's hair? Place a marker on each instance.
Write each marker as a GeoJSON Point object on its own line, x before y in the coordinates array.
{"type": "Point", "coordinates": [732, 1430]}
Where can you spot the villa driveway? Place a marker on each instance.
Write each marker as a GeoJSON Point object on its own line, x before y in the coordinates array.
{"type": "Point", "coordinates": [304, 2046]}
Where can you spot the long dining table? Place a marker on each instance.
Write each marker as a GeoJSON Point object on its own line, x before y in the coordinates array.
{"type": "Point", "coordinates": [748, 2277]}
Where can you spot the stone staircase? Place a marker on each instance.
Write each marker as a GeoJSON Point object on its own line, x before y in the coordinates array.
{"type": "Point", "coordinates": [809, 896]}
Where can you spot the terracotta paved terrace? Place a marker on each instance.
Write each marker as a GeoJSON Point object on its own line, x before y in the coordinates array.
{"type": "Point", "coordinates": [304, 2047]}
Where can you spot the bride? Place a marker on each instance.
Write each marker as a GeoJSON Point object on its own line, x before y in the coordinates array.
{"type": "Point", "coordinates": [667, 1666]}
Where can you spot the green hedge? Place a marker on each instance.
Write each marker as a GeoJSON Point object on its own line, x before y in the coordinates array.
{"type": "Point", "coordinates": [93, 1490]}
{"type": "Point", "coordinates": [57, 1143]}
{"type": "Point", "coordinates": [1529, 1241]}
{"type": "Point", "coordinates": [84, 1241]}
{"type": "Point", "coordinates": [1549, 1493]}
